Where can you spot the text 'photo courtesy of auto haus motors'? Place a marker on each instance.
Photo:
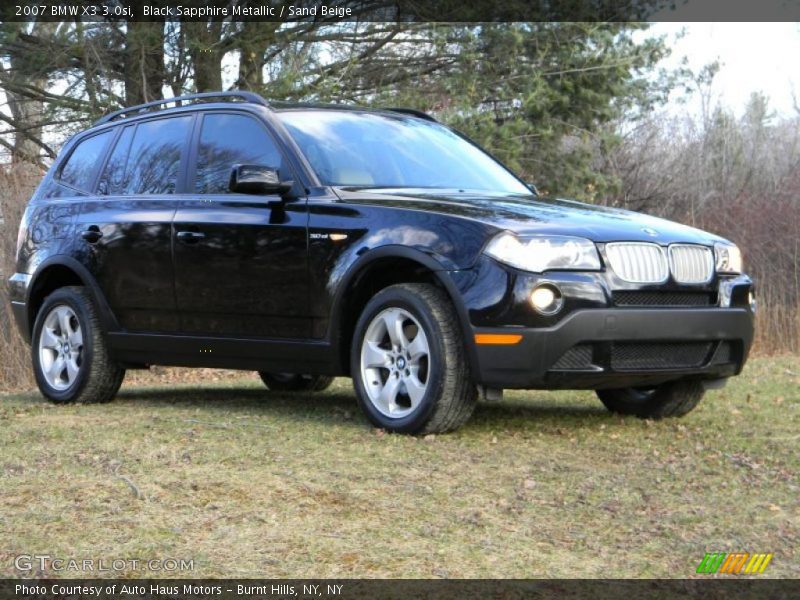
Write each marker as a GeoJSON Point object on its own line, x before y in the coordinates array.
{"type": "Point", "coordinates": [307, 242]}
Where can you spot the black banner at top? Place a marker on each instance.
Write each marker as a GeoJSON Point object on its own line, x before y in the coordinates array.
{"type": "Point", "coordinates": [464, 11]}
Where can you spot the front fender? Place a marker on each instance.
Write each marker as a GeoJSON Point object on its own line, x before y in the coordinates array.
{"type": "Point", "coordinates": [447, 277]}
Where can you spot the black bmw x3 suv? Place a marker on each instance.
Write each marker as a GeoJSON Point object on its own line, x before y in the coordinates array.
{"type": "Point", "coordinates": [306, 242]}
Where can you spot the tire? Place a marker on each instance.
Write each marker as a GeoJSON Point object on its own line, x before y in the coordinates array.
{"type": "Point", "coordinates": [673, 399]}
{"type": "Point", "coordinates": [293, 382]}
{"type": "Point", "coordinates": [417, 381]}
{"type": "Point", "coordinates": [68, 329]}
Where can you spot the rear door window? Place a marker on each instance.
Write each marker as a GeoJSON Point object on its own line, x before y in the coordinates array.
{"type": "Point", "coordinates": [146, 158]}
{"type": "Point", "coordinates": [112, 181]}
{"type": "Point", "coordinates": [155, 156]}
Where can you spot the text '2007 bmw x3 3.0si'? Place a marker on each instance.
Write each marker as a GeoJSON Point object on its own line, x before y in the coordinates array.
{"type": "Point", "coordinates": [306, 242]}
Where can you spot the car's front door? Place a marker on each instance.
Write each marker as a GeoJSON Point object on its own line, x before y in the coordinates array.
{"type": "Point", "coordinates": [240, 259]}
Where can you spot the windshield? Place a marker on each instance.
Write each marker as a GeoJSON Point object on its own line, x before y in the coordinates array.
{"type": "Point", "coordinates": [376, 150]}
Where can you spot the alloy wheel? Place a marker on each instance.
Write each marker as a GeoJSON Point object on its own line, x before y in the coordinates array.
{"type": "Point", "coordinates": [61, 347]}
{"type": "Point", "coordinates": [395, 362]}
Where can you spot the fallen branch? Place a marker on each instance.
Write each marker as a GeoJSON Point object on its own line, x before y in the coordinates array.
{"type": "Point", "coordinates": [137, 492]}
{"type": "Point", "coordinates": [210, 424]}
{"type": "Point", "coordinates": [223, 425]}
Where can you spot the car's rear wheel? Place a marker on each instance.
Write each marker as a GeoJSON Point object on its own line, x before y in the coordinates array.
{"type": "Point", "coordinates": [409, 364]}
{"type": "Point", "coordinates": [70, 356]}
{"type": "Point", "coordinates": [295, 382]}
{"type": "Point", "coordinates": [673, 399]}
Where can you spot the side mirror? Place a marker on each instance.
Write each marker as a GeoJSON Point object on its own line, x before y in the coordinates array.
{"type": "Point", "coordinates": [258, 179]}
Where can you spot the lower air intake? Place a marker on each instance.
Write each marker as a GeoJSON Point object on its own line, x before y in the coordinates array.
{"type": "Point", "coordinates": [723, 355]}
{"type": "Point", "coordinates": [577, 357]}
{"type": "Point", "coordinates": [637, 356]}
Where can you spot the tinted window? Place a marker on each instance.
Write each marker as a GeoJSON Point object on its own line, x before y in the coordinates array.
{"type": "Point", "coordinates": [154, 158]}
{"type": "Point", "coordinates": [370, 149]}
{"type": "Point", "coordinates": [227, 140]}
{"type": "Point", "coordinates": [82, 164]}
{"type": "Point", "coordinates": [112, 181]}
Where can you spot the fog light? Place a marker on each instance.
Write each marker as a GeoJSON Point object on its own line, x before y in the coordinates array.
{"type": "Point", "coordinates": [546, 299]}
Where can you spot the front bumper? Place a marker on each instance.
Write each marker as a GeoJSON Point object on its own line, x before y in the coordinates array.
{"type": "Point", "coordinates": [610, 348]}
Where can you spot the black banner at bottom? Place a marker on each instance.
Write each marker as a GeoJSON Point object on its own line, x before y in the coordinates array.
{"type": "Point", "coordinates": [346, 589]}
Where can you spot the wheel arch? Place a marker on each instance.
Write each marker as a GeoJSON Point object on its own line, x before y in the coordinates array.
{"type": "Point", "coordinates": [378, 269]}
{"type": "Point", "coordinates": [61, 271]}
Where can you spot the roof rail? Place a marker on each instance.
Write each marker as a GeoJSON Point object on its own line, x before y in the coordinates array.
{"type": "Point", "coordinates": [182, 101]}
{"type": "Point", "coordinates": [414, 112]}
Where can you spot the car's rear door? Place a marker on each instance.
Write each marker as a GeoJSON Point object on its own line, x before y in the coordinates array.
{"type": "Point", "coordinates": [127, 224]}
{"type": "Point", "coordinates": [240, 259]}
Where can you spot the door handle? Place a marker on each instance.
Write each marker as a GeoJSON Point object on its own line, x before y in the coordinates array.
{"type": "Point", "coordinates": [190, 237]}
{"type": "Point", "coordinates": [92, 235]}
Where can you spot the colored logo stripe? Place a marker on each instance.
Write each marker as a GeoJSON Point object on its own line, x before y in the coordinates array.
{"type": "Point", "coordinates": [758, 563]}
{"type": "Point", "coordinates": [734, 563]}
{"type": "Point", "coordinates": [711, 562]}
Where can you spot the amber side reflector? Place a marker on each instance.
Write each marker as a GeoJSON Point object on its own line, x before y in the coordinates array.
{"type": "Point", "coordinates": [506, 339]}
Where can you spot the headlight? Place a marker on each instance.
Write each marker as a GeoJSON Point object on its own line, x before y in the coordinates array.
{"type": "Point", "coordinates": [729, 258]}
{"type": "Point", "coordinates": [544, 253]}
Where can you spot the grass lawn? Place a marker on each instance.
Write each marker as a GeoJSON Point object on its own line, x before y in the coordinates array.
{"type": "Point", "coordinates": [249, 483]}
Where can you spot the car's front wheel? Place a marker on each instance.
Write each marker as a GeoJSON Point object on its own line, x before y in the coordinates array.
{"type": "Point", "coordinates": [408, 361]}
{"type": "Point", "coordinates": [70, 357]}
{"type": "Point", "coordinates": [673, 399]}
{"type": "Point", "coordinates": [295, 382]}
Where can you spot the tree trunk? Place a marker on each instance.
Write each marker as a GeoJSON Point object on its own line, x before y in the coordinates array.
{"type": "Point", "coordinates": [203, 41]}
{"type": "Point", "coordinates": [26, 112]}
{"type": "Point", "coordinates": [144, 62]}
{"type": "Point", "coordinates": [253, 42]}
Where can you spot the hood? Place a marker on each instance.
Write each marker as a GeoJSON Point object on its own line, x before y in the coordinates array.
{"type": "Point", "coordinates": [534, 214]}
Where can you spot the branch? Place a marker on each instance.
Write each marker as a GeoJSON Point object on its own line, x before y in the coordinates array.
{"type": "Point", "coordinates": [35, 93]}
{"type": "Point", "coordinates": [27, 135]}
